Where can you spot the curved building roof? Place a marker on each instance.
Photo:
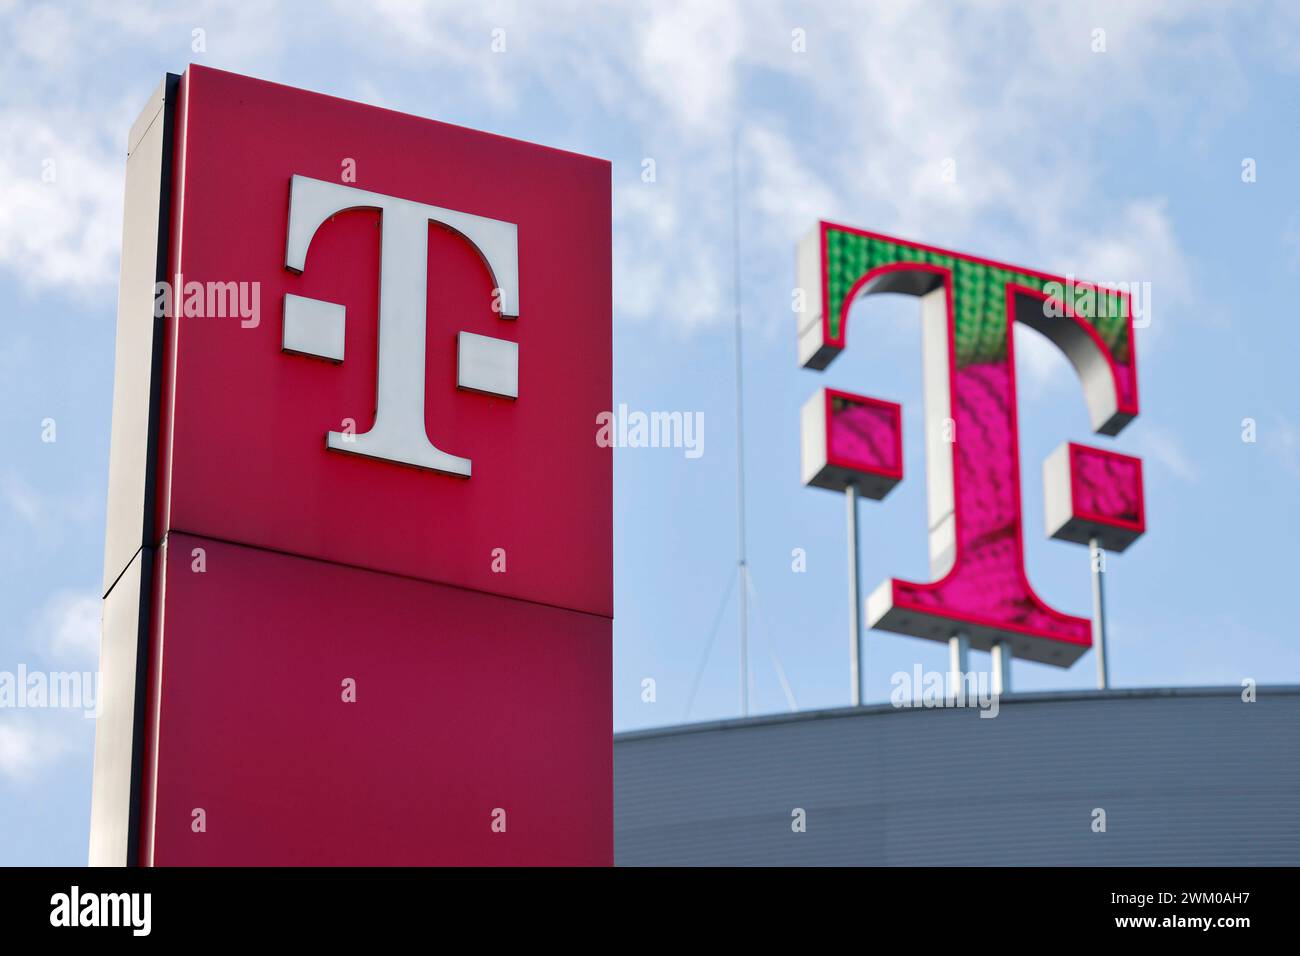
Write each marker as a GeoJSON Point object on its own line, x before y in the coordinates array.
{"type": "Point", "coordinates": [1184, 776]}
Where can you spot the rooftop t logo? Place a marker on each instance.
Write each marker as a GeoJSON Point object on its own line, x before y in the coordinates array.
{"type": "Point", "coordinates": [968, 304]}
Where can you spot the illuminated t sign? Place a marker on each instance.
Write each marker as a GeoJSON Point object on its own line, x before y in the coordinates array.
{"type": "Point", "coordinates": [972, 454]}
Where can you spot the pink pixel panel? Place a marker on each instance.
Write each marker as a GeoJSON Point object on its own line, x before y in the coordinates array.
{"type": "Point", "coordinates": [852, 440]}
{"type": "Point", "coordinates": [1090, 493]}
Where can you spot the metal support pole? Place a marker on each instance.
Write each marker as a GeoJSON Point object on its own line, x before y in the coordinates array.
{"type": "Point", "coordinates": [958, 662]}
{"type": "Point", "coordinates": [1098, 559]}
{"type": "Point", "coordinates": [855, 599]}
{"type": "Point", "coordinates": [1001, 668]}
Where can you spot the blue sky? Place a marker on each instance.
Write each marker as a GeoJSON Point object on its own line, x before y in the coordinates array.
{"type": "Point", "coordinates": [1122, 165]}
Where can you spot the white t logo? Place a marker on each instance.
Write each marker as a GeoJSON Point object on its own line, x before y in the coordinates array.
{"type": "Point", "coordinates": [314, 327]}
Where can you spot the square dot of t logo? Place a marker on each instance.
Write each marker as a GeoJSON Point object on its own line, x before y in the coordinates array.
{"type": "Point", "coordinates": [427, 348]}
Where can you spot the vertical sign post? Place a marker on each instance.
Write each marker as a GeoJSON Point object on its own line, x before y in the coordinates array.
{"type": "Point", "coordinates": [855, 595]}
{"type": "Point", "coordinates": [852, 444]}
{"type": "Point", "coordinates": [1094, 497]}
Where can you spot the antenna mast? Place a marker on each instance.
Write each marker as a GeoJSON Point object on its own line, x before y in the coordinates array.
{"type": "Point", "coordinates": [743, 567]}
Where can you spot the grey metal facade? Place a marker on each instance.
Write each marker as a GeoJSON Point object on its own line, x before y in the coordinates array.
{"type": "Point", "coordinates": [1188, 776]}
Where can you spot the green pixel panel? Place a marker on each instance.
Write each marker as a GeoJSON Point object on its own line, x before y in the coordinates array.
{"type": "Point", "coordinates": [979, 294]}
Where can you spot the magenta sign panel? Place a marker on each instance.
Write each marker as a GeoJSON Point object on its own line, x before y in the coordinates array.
{"type": "Point", "coordinates": [337, 567]}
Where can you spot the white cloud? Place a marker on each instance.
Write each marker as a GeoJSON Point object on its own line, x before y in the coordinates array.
{"type": "Point", "coordinates": [1142, 252]}
{"type": "Point", "coordinates": [663, 267]}
{"type": "Point", "coordinates": [23, 500]}
{"type": "Point", "coordinates": [884, 94]}
{"type": "Point", "coordinates": [68, 626]}
{"type": "Point", "coordinates": [51, 516]}
{"type": "Point", "coordinates": [60, 223]}
{"type": "Point", "coordinates": [887, 93]}
{"type": "Point", "coordinates": [1161, 446]}
{"type": "Point", "coordinates": [18, 750]}
{"type": "Point", "coordinates": [687, 60]}
{"type": "Point", "coordinates": [780, 187]}
{"type": "Point", "coordinates": [1283, 442]}
{"type": "Point", "coordinates": [1013, 97]}
{"type": "Point", "coordinates": [25, 747]}
{"type": "Point", "coordinates": [66, 107]}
